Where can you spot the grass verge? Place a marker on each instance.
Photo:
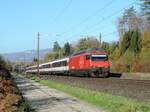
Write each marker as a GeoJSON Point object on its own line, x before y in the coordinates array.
{"type": "Point", "coordinates": [103, 100]}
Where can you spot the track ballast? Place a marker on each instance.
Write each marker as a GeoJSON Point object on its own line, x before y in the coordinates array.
{"type": "Point", "coordinates": [135, 89]}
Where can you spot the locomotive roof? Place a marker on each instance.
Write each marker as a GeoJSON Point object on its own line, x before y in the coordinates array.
{"type": "Point", "coordinates": [88, 51]}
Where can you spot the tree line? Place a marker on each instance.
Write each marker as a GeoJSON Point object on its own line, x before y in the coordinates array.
{"type": "Point", "coordinates": [4, 64]}
{"type": "Point", "coordinates": [130, 53]}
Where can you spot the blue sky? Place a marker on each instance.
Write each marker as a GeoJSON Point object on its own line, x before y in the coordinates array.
{"type": "Point", "coordinates": [56, 20]}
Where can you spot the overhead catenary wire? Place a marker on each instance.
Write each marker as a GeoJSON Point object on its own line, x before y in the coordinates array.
{"type": "Point", "coordinates": [103, 19]}
{"type": "Point", "coordinates": [89, 17]}
{"type": "Point", "coordinates": [62, 11]}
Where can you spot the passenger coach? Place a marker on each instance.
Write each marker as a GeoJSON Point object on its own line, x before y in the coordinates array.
{"type": "Point", "coordinates": [58, 66]}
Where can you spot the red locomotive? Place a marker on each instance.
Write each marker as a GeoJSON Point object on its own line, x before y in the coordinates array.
{"type": "Point", "coordinates": [91, 62]}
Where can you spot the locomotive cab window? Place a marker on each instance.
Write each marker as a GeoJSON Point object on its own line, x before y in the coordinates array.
{"type": "Point", "coordinates": [99, 57]}
{"type": "Point", "coordinates": [87, 57]}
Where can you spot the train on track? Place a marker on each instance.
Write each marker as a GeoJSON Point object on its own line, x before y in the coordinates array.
{"type": "Point", "coordinates": [91, 62]}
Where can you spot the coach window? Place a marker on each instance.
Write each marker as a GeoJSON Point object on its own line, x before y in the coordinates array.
{"type": "Point", "coordinates": [65, 63]}
{"type": "Point", "coordinates": [53, 65]}
{"type": "Point", "coordinates": [62, 63]}
{"type": "Point", "coordinates": [46, 66]}
{"type": "Point", "coordinates": [59, 64]}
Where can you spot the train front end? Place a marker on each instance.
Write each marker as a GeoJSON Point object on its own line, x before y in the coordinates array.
{"type": "Point", "coordinates": [99, 65]}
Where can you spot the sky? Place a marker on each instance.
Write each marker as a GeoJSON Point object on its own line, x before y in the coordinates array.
{"type": "Point", "coordinates": [57, 20]}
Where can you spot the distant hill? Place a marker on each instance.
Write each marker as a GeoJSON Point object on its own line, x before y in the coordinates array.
{"type": "Point", "coordinates": [27, 55]}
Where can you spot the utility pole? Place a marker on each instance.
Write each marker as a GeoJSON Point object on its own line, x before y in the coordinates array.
{"type": "Point", "coordinates": [59, 53]}
{"type": "Point", "coordinates": [100, 40]}
{"type": "Point", "coordinates": [38, 55]}
{"type": "Point", "coordinates": [24, 67]}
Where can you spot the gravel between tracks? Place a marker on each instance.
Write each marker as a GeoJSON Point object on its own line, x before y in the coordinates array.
{"type": "Point", "coordinates": [135, 89]}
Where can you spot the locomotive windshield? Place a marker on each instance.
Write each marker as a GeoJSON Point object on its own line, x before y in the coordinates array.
{"type": "Point", "coordinates": [99, 57]}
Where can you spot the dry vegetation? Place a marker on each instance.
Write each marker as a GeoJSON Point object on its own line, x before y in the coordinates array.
{"type": "Point", "coordinates": [11, 99]}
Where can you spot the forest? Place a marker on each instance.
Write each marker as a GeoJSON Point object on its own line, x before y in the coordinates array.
{"type": "Point", "coordinates": [130, 53]}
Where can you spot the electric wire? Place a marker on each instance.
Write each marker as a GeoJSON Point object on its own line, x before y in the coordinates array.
{"type": "Point", "coordinates": [88, 17]}
{"type": "Point", "coordinates": [62, 12]}
{"type": "Point", "coordinates": [103, 19]}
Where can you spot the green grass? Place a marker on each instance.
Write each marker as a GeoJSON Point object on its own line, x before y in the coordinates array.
{"type": "Point", "coordinates": [24, 107]}
{"type": "Point", "coordinates": [105, 101]}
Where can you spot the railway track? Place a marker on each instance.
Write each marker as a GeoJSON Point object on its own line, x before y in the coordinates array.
{"type": "Point", "coordinates": [135, 89]}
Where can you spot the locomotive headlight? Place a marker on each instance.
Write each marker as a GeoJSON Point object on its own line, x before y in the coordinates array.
{"type": "Point", "coordinates": [101, 66]}
{"type": "Point", "coordinates": [93, 66]}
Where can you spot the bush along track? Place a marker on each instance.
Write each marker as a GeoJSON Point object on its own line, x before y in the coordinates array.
{"type": "Point", "coordinates": [106, 101]}
{"type": "Point", "coordinates": [11, 99]}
